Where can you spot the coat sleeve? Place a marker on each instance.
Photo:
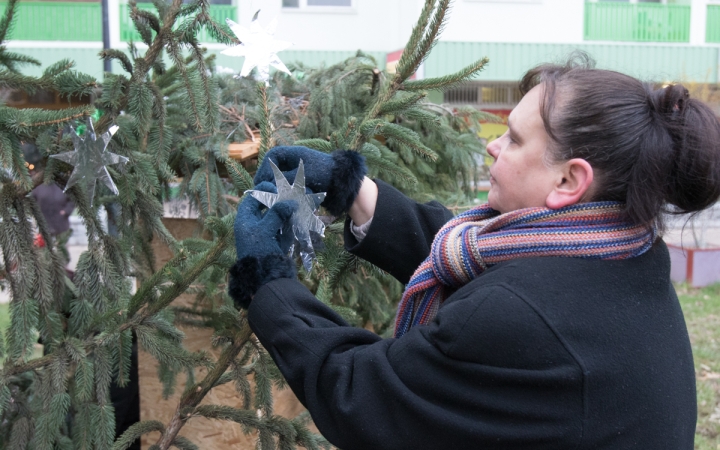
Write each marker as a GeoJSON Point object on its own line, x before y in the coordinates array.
{"type": "Point", "coordinates": [400, 234]}
{"type": "Point", "coordinates": [445, 385]}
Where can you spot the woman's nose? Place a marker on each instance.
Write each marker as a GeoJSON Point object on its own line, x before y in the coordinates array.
{"type": "Point", "coordinates": [493, 148]}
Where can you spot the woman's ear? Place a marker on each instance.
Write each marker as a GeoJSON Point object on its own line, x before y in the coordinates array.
{"type": "Point", "coordinates": [574, 181]}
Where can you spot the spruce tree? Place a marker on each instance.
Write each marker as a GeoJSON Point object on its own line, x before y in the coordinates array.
{"type": "Point", "coordinates": [175, 122]}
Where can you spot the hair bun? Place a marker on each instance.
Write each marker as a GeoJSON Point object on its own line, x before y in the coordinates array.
{"type": "Point", "coordinates": [670, 101]}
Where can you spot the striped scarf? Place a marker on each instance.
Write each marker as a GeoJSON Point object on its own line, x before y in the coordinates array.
{"type": "Point", "coordinates": [481, 237]}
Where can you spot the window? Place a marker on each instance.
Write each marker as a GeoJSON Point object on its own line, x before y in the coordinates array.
{"type": "Point", "coordinates": [484, 94]}
{"type": "Point", "coordinates": [506, 1]}
{"type": "Point", "coordinates": [315, 5]}
{"type": "Point", "coordinates": [329, 2]}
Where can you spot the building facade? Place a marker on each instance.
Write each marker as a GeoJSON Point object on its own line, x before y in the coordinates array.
{"type": "Point", "coordinates": [658, 41]}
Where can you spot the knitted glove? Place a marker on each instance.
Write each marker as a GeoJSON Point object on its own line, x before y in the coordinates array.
{"type": "Point", "coordinates": [262, 241]}
{"type": "Point", "coordinates": [339, 174]}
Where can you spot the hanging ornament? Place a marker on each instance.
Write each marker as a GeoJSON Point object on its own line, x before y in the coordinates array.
{"type": "Point", "coordinates": [90, 159]}
{"type": "Point", "coordinates": [303, 221]}
{"type": "Point", "coordinates": [259, 47]}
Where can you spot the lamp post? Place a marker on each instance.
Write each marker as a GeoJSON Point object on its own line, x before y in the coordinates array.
{"type": "Point", "coordinates": [106, 34]}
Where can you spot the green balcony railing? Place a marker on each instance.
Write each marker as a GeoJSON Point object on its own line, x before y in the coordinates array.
{"type": "Point", "coordinates": [128, 32]}
{"type": "Point", "coordinates": [712, 30]}
{"type": "Point", "coordinates": [636, 22]}
{"type": "Point", "coordinates": [56, 21]}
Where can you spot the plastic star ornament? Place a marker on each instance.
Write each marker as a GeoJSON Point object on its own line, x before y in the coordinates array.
{"type": "Point", "coordinates": [259, 47]}
{"type": "Point", "coordinates": [304, 221]}
{"type": "Point", "coordinates": [90, 159]}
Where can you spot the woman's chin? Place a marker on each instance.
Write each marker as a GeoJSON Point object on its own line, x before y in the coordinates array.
{"type": "Point", "coordinates": [492, 202]}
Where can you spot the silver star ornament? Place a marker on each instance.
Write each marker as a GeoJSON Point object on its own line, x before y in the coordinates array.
{"type": "Point", "coordinates": [259, 47]}
{"type": "Point", "coordinates": [303, 221]}
{"type": "Point", "coordinates": [90, 159]}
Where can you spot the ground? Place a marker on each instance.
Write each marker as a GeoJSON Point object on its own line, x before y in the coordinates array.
{"type": "Point", "coordinates": [702, 315]}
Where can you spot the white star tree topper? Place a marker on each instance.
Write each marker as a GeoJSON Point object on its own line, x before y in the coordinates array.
{"type": "Point", "coordinates": [303, 220]}
{"type": "Point", "coordinates": [259, 47]}
{"type": "Point", "coordinates": [90, 159]}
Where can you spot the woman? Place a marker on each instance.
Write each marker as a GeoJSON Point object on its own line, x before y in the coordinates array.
{"type": "Point", "coordinates": [543, 320]}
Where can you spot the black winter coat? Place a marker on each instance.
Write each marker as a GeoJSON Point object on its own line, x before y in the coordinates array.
{"type": "Point", "coordinates": [537, 353]}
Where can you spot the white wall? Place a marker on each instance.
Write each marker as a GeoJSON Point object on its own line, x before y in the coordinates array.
{"type": "Point", "coordinates": [385, 25]}
{"type": "Point", "coordinates": [531, 21]}
{"type": "Point", "coordinates": [370, 25]}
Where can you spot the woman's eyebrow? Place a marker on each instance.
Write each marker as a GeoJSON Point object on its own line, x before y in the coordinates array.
{"type": "Point", "coordinates": [512, 131]}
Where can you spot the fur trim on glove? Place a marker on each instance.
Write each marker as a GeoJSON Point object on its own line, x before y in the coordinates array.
{"type": "Point", "coordinates": [250, 273]}
{"type": "Point", "coordinates": [346, 178]}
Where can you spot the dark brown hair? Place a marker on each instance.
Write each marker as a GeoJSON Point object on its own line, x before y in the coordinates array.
{"type": "Point", "coordinates": [649, 148]}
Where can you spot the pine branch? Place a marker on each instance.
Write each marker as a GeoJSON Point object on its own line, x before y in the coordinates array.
{"type": "Point", "coordinates": [194, 395]}
{"type": "Point", "coordinates": [135, 431]}
{"type": "Point", "coordinates": [6, 22]}
{"type": "Point", "coordinates": [208, 259]}
{"type": "Point", "coordinates": [141, 106]}
{"type": "Point", "coordinates": [20, 120]}
{"type": "Point", "coordinates": [183, 443]}
{"type": "Point", "coordinates": [419, 50]}
{"type": "Point", "coordinates": [240, 177]}
{"type": "Point", "coordinates": [317, 144]}
{"type": "Point", "coordinates": [244, 417]}
{"type": "Point", "coordinates": [13, 80]}
{"type": "Point", "coordinates": [409, 138]}
{"type": "Point", "coordinates": [265, 126]}
{"type": "Point", "coordinates": [175, 55]}
{"type": "Point", "coordinates": [155, 48]}
{"type": "Point", "coordinates": [422, 50]}
{"type": "Point", "coordinates": [447, 81]}
{"type": "Point", "coordinates": [163, 301]}
{"type": "Point", "coordinates": [141, 23]}
{"type": "Point", "coordinates": [210, 106]}
{"type": "Point", "coordinates": [10, 370]}
{"type": "Point", "coordinates": [401, 104]}
{"type": "Point", "coordinates": [144, 293]}
{"type": "Point", "coordinates": [71, 83]}
{"type": "Point", "coordinates": [417, 33]}
{"type": "Point", "coordinates": [11, 60]}
{"type": "Point", "coordinates": [57, 68]}
{"type": "Point", "coordinates": [399, 172]}
{"type": "Point", "coordinates": [147, 18]}
{"type": "Point", "coordinates": [120, 56]}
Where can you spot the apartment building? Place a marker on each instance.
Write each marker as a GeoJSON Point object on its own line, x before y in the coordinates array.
{"type": "Point", "coordinates": [660, 41]}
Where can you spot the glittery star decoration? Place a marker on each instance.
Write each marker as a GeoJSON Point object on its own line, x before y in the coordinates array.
{"type": "Point", "coordinates": [90, 159]}
{"type": "Point", "coordinates": [303, 221]}
{"type": "Point", "coordinates": [259, 47]}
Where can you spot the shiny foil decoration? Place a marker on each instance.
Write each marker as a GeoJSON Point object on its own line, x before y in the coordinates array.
{"type": "Point", "coordinates": [91, 159]}
{"type": "Point", "coordinates": [304, 221]}
{"type": "Point", "coordinates": [259, 47]}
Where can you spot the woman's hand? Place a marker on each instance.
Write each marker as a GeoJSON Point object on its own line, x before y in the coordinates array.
{"type": "Point", "coordinates": [363, 208]}
{"type": "Point", "coordinates": [262, 242]}
{"type": "Point", "coordinates": [339, 174]}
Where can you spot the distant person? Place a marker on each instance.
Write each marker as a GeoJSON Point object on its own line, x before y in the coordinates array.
{"type": "Point", "coordinates": [56, 207]}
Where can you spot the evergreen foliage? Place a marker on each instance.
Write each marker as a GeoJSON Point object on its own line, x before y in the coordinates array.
{"type": "Point", "coordinates": [175, 123]}
{"type": "Point", "coordinates": [11, 60]}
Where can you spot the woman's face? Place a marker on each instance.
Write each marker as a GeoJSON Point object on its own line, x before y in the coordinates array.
{"type": "Point", "coordinates": [522, 176]}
